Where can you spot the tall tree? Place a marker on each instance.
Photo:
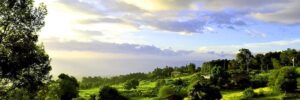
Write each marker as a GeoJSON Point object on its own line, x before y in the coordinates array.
{"type": "Point", "coordinates": [191, 68]}
{"type": "Point", "coordinates": [287, 56]}
{"type": "Point", "coordinates": [68, 87]}
{"type": "Point", "coordinates": [244, 58]}
{"type": "Point", "coordinates": [260, 61]}
{"type": "Point", "coordinates": [23, 62]}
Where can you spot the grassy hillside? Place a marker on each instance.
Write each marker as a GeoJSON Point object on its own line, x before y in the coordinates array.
{"type": "Point", "coordinates": [146, 86]}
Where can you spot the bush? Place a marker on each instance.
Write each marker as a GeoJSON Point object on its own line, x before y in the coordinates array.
{"type": "Point", "coordinates": [202, 90]}
{"type": "Point", "coordinates": [109, 93]}
{"type": "Point", "coordinates": [131, 84]}
{"type": "Point", "coordinates": [179, 82]}
{"type": "Point", "coordinates": [168, 92]}
{"type": "Point", "coordinates": [248, 93]}
{"type": "Point", "coordinates": [92, 97]}
{"type": "Point", "coordinates": [258, 80]}
{"type": "Point", "coordinates": [283, 79]}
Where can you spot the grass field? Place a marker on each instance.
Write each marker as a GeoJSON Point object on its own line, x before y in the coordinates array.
{"type": "Point", "coordinates": [144, 86]}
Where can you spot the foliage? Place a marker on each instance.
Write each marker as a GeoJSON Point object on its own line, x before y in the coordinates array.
{"type": "Point", "coordinates": [219, 77]}
{"type": "Point", "coordinates": [208, 66]}
{"type": "Point", "coordinates": [179, 82]}
{"type": "Point", "coordinates": [92, 97]}
{"type": "Point", "coordinates": [169, 92]}
{"type": "Point", "coordinates": [258, 80]}
{"type": "Point", "coordinates": [68, 86]}
{"type": "Point", "coordinates": [248, 93]}
{"type": "Point", "coordinates": [109, 93]}
{"type": "Point", "coordinates": [53, 92]}
{"type": "Point", "coordinates": [276, 63]}
{"type": "Point", "coordinates": [24, 63]}
{"type": "Point", "coordinates": [191, 68]}
{"type": "Point", "coordinates": [244, 58]}
{"type": "Point", "coordinates": [238, 79]}
{"type": "Point", "coordinates": [131, 84]}
{"type": "Point", "coordinates": [162, 72]}
{"type": "Point", "coordinates": [91, 82]}
{"type": "Point", "coordinates": [203, 90]}
{"type": "Point", "coordinates": [283, 79]}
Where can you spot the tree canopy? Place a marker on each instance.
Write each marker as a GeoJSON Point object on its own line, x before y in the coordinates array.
{"type": "Point", "coordinates": [23, 62]}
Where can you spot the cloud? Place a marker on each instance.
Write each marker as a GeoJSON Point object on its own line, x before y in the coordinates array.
{"type": "Point", "coordinates": [254, 47]}
{"type": "Point", "coordinates": [96, 46]}
{"type": "Point", "coordinates": [98, 58]}
{"type": "Point", "coordinates": [287, 14]}
{"type": "Point", "coordinates": [255, 33]}
{"type": "Point", "coordinates": [177, 17]}
{"type": "Point", "coordinates": [276, 11]}
{"type": "Point", "coordinates": [161, 5]}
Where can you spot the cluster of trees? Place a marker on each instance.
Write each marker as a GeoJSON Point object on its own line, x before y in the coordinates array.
{"type": "Point", "coordinates": [169, 71]}
{"type": "Point", "coordinates": [64, 88]}
{"type": "Point", "coordinates": [97, 81]}
{"type": "Point", "coordinates": [242, 71]}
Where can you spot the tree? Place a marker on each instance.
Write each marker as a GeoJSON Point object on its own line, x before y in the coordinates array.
{"type": "Point", "coordinates": [276, 64]}
{"type": "Point", "coordinates": [191, 68]}
{"type": "Point", "coordinates": [244, 58]}
{"type": "Point", "coordinates": [287, 56]}
{"type": "Point", "coordinates": [203, 90]}
{"type": "Point", "coordinates": [131, 84]}
{"type": "Point", "coordinates": [260, 61]}
{"type": "Point", "coordinates": [23, 63]}
{"type": "Point", "coordinates": [109, 93]}
{"type": "Point", "coordinates": [283, 79]}
{"type": "Point", "coordinates": [219, 76]}
{"type": "Point", "coordinates": [68, 87]}
{"type": "Point", "coordinates": [168, 92]}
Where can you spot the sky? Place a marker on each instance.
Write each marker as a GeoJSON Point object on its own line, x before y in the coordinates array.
{"type": "Point", "coordinates": [112, 37]}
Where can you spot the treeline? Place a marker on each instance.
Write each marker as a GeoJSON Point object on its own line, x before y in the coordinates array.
{"type": "Point", "coordinates": [158, 73]}
{"type": "Point", "coordinates": [246, 70]}
{"type": "Point", "coordinates": [90, 82]}
{"type": "Point", "coordinates": [246, 61]}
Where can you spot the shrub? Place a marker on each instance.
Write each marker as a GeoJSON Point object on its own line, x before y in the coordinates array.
{"type": "Point", "coordinates": [202, 90]}
{"type": "Point", "coordinates": [248, 93]}
{"type": "Point", "coordinates": [109, 93]}
{"type": "Point", "coordinates": [258, 80]}
{"type": "Point", "coordinates": [168, 92]}
{"type": "Point", "coordinates": [180, 82]}
{"type": "Point", "coordinates": [131, 84]}
{"type": "Point", "coordinates": [283, 79]}
{"type": "Point", "coordinates": [92, 97]}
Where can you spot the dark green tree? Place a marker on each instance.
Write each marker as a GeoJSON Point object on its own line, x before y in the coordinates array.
{"type": "Point", "coordinates": [68, 87]}
{"type": "Point", "coordinates": [109, 93]}
{"type": "Point", "coordinates": [244, 58]}
{"type": "Point", "coordinates": [191, 68]}
{"type": "Point", "coordinates": [283, 79]}
{"type": "Point", "coordinates": [23, 62]}
{"type": "Point", "coordinates": [219, 77]}
{"type": "Point", "coordinates": [260, 61]}
{"type": "Point", "coordinates": [287, 56]}
{"type": "Point", "coordinates": [131, 84]}
{"type": "Point", "coordinates": [203, 90]}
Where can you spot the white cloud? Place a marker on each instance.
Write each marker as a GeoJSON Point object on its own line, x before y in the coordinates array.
{"type": "Point", "coordinates": [255, 33]}
{"type": "Point", "coordinates": [254, 47]}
